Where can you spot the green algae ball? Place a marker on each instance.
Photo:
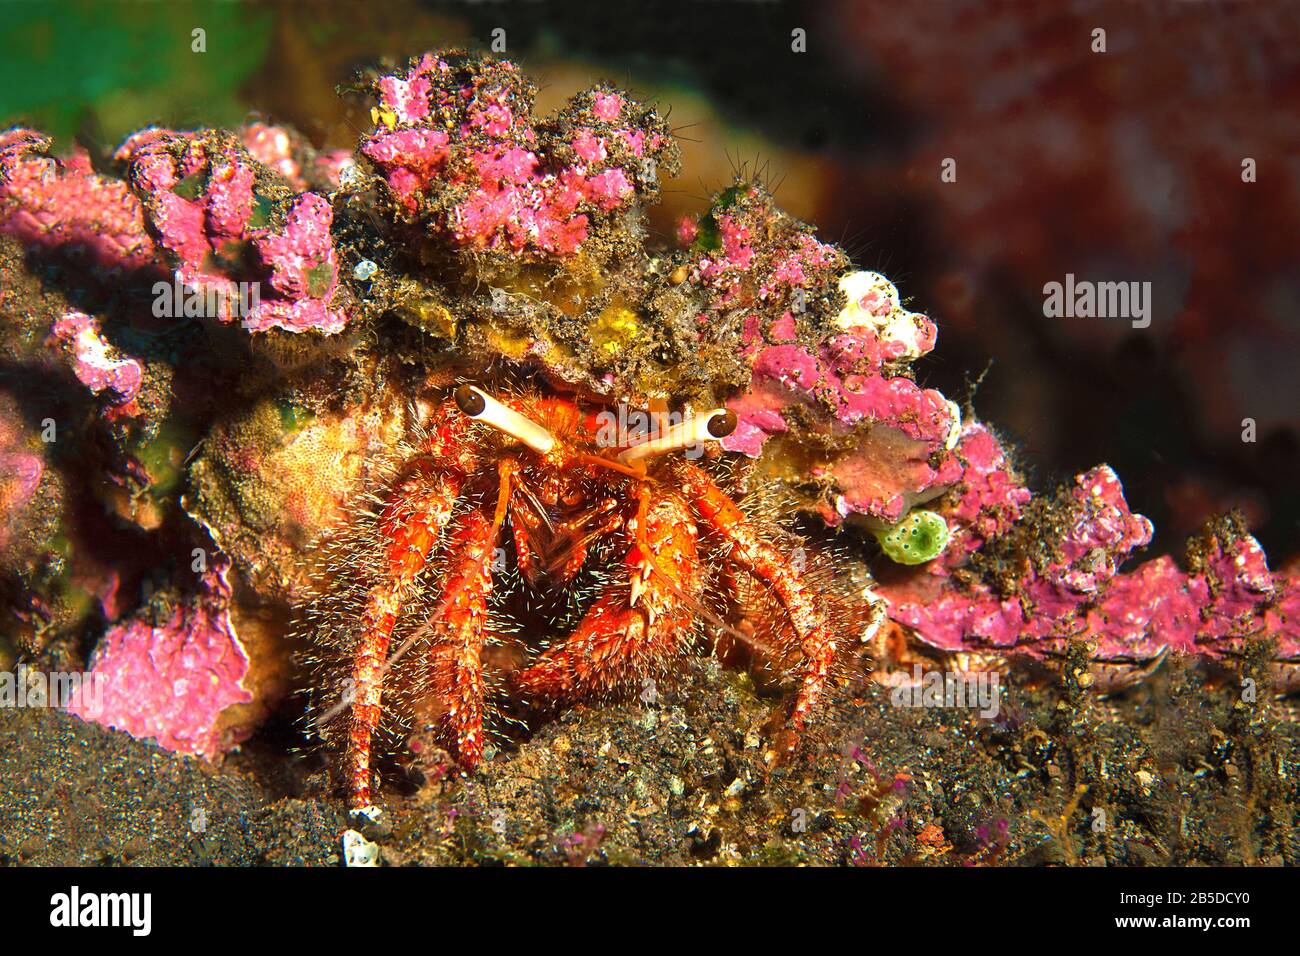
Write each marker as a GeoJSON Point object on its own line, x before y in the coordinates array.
{"type": "Point", "coordinates": [920, 537]}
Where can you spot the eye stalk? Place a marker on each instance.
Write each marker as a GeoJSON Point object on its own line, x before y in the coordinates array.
{"type": "Point", "coordinates": [482, 407]}
{"type": "Point", "coordinates": [708, 426]}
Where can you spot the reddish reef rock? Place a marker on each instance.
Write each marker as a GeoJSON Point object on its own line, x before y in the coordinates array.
{"type": "Point", "coordinates": [227, 219]}
{"type": "Point", "coordinates": [1026, 574]}
{"type": "Point", "coordinates": [308, 305]}
{"type": "Point", "coordinates": [118, 379]}
{"type": "Point", "coordinates": [52, 203]}
{"type": "Point", "coordinates": [171, 673]}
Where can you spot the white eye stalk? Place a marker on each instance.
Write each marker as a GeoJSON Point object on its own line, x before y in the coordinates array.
{"type": "Point", "coordinates": [482, 407]}
{"type": "Point", "coordinates": [709, 426]}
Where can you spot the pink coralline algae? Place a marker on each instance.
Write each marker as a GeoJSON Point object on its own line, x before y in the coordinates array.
{"type": "Point", "coordinates": [459, 149]}
{"type": "Point", "coordinates": [64, 204]}
{"type": "Point", "coordinates": [239, 233]}
{"type": "Point", "coordinates": [898, 456]}
{"type": "Point", "coordinates": [284, 151]}
{"type": "Point", "coordinates": [989, 498]}
{"type": "Point", "coordinates": [304, 270]}
{"type": "Point", "coordinates": [116, 379]}
{"type": "Point", "coordinates": [829, 354]}
{"type": "Point", "coordinates": [172, 678]}
{"type": "Point", "coordinates": [1028, 574]}
{"type": "Point", "coordinates": [227, 221]}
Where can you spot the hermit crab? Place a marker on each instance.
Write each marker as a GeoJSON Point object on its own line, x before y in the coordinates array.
{"type": "Point", "coordinates": [528, 508]}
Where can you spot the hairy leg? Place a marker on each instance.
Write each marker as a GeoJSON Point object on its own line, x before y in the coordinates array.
{"type": "Point", "coordinates": [458, 626]}
{"type": "Point", "coordinates": [410, 526]}
{"type": "Point", "coordinates": [627, 636]}
{"type": "Point", "coordinates": [752, 553]}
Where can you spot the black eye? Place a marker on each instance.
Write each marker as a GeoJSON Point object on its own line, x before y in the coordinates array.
{"type": "Point", "coordinates": [469, 401]}
{"type": "Point", "coordinates": [720, 426]}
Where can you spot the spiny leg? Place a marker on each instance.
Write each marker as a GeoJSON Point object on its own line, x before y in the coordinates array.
{"type": "Point", "coordinates": [622, 639]}
{"type": "Point", "coordinates": [410, 526]}
{"type": "Point", "coordinates": [458, 627]}
{"type": "Point", "coordinates": [752, 553]}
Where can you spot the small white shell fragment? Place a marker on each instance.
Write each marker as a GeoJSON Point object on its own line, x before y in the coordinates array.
{"type": "Point", "coordinates": [877, 612]}
{"type": "Point", "coordinates": [873, 303]}
{"type": "Point", "coordinates": [954, 433]}
{"type": "Point", "coordinates": [364, 269]}
{"type": "Point", "coordinates": [358, 851]}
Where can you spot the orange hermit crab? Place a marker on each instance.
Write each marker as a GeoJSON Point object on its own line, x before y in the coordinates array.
{"type": "Point", "coordinates": [646, 529]}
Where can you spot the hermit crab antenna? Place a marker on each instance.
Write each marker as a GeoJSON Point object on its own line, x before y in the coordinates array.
{"type": "Point", "coordinates": [708, 426]}
{"type": "Point", "coordinates": [481, 406]}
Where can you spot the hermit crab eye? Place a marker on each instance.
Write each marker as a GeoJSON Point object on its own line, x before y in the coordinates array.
{"type": "Point", "coordinates": [470, 401]}
{"type": "Point", "coordinates": [482, 407]}
{"type": "Point", "coordinates": [709, 426]}
{"type": "Point", "coordinates": [722, 423]}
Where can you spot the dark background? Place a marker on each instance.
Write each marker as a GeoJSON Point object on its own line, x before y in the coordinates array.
{"type": "Point", "coordinates": [1115, 166]}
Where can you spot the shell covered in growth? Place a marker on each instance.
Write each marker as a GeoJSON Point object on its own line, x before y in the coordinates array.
{"type": "Point", "coordinates": [522, 238]}
{"type": "Point", "coordinates": [215, 342]}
